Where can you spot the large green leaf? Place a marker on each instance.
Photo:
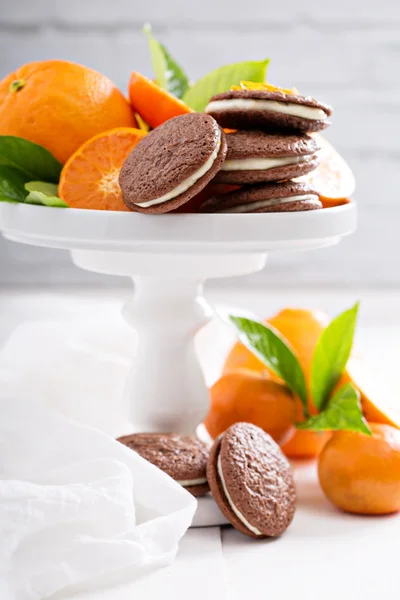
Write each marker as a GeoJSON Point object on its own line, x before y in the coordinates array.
{"type": "Point", "coordinates": [11, 185]}
{"type": "Point", "coordinates": [221, 80]}
{"type": "Point", "coordinates": [34, 161]}
{"type": "Point", "coordinates": [342, 413]}
{"type": "Point", "coordinates": [168, 73]}
{"type": "Point", "coordinates": [272, 349]}
{"type": "Point", "coordinates": [331, 355]}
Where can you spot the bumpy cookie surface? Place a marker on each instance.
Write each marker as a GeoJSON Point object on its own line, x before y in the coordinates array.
{"type": "Point", "coordinates": [167, 157]}
{"type": "Point", "coordinates": [257, 477]}
{"type": "Point", "coordinates": [182, 457]}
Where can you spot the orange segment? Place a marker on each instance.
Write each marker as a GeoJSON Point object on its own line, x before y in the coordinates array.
{"type": "Point", "coordinates": [152, 103]}
{"type": "Point", "coordinates": [378, 398]}
{"type": "Point", "coordinates": [90, 177]}
{"type": "Point", "coordinates": [332, 179]}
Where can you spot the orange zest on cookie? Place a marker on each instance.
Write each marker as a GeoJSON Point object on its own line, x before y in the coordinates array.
{"type": "Point", "coordinates": [264, 87]}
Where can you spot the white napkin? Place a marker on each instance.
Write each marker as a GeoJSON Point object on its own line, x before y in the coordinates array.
{"type": "Point", "coordinates": [78, 509]}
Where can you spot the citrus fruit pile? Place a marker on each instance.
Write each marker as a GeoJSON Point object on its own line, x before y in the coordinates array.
{"type": "Point", "coordinates": [85, 122]}
{"type": "Point", "coordinates": [88, 125]}
{"type": "Point", "coordinates": [359, 473]}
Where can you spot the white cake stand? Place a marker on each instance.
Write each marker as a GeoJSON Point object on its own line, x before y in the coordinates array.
{"type": "Point", "coordinates": [169, 257]}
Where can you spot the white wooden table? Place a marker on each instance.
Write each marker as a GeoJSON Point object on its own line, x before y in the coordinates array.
{"type": "Point", "coordinates": [324, 553]}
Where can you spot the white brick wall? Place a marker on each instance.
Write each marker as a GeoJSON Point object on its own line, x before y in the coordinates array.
{"type": "Point", "coordinates": [346, 52]}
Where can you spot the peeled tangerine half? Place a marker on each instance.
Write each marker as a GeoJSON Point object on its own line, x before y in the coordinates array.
{"type": "Point", "coordinates": [332, 179]}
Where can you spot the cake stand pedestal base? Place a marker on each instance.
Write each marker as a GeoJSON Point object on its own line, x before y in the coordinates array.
{"type": "Point", "coordinates": [165, 390]}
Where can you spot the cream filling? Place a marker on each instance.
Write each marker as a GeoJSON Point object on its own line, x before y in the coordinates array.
{"type": "Point", "coordinates": [294, 110]}
{"type": "Point", "coordinates": [262, 164]}
{"type": "Point", "coordinates": [187, 183]}
{"type": "Point", "coordinates": [189, 482]}
{"type": "Point", "coordinates": [243, 208]}
{"type": "Point", "coordinates": [233, 507]}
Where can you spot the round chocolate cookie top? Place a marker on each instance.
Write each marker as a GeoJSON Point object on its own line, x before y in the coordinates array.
{"type": "Point", "coordinates": [251, 481]}
{"type": "Point", "coordinates": [258, 144]}
{"type": "Point", "coordinates": [286, 196]}
{"type": "Point", "coordinates": [182, 457]}
{"type": "Point", "coordinates": [172, 163]}
{"type": "Point", "coordinates": [269, 111]}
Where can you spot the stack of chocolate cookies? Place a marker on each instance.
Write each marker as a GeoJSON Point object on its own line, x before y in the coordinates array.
{"type": "Point", "coordinates": [268, 148]}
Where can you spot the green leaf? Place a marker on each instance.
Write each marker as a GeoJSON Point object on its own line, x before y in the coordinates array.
{"type": "Point", "coordinates": [331, 355]}
{"type": "Point", "coordinates": [169, 75]}
{"type": "Point", "coordinates": [11, 185]}
{"type": "Point", "coordinates": [342, 413]}
{"type": "Point", "coordinates": [48, 189]}
{"type": "Point", "coordinates": [271, 349]}
{"type": "Point", "coordinates": [34, 161]}
{"type": "Point", "coordinates": [43, 200]}
{"type": "Point", "coordinates": [221, 80]}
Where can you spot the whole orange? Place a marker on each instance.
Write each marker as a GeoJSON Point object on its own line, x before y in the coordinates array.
{"type": "Point", "coordinates": [60, 105]}
{"type": "Point", "coordinates": [360, 473]}
{"type": "Point", "coordinates": [244, 395]}
{"type": "Point", "coordinates": [301, 329]}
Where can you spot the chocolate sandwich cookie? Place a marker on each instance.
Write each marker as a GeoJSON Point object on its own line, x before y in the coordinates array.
{"type": "Point", "coordinates": [268, 111]}
{"type": "Point", "coordinates": [288, 196]}
{"type": "Point", "coordinates": [173, 163]}
{"type": "Point", "coordinates": [255, 157]}
{"type": "Point", "coordinates": [251, 481]}
{"type": "Point", "coordinates": [182, 457]}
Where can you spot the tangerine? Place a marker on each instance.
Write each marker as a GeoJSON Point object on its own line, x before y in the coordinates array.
{"type": "Point", "coordinates": [305, 444]}
{"type": "Point", "coordinates": [251, 397]}
{"type": "Point", "coordinates": [60, 105]}
{"type": "Point", "coordinates": [360, 473]}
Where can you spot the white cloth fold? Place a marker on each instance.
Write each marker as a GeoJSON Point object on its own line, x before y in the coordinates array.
{"type": "Point", "coordinates": [78, 509]}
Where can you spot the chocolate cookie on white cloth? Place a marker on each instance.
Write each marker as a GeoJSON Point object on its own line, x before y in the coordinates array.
{"type": "Point", "coordinates": [182, 457]}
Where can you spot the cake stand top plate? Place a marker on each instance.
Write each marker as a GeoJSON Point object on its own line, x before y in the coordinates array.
{"type": "Point", "coordinates": [77, 229]}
